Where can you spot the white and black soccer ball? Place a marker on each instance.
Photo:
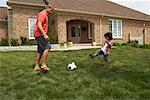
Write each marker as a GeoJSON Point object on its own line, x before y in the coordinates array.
{"type": "Point", "coordinates": [72, 66]}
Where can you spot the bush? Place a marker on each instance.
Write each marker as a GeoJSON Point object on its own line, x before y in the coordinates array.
{"type": "Point", "coordinates": [4, 42]}
{"type": "Point", "coordinates": [134, 44]}
{"type": "Point", "coordinates": [116, 44]}
{"type": "Point", "coordinates": [23, 40]}
{"type": "Point", "coordinates": [145, 46]}
{"type": "Point", "coordinates": [124, 44]}
{"type": "Point", "coordinates": [53, 39]}
{"type": "Point", "coordinates": [14, 42]}
{"type": "Point", "coordinates": [31, 42]}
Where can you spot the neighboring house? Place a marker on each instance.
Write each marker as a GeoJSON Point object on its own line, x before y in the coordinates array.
{"type": "Point", "coordinates": [3, 23]}
{"type": "Point", "coordinates": [79, 21]}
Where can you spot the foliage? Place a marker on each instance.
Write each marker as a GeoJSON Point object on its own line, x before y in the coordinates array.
{"type": "Point", "coordinates": [14, 42]}
{"type": "Point", "coordinates": [4, 42]}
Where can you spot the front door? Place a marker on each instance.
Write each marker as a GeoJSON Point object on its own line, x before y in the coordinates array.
{"type": "Point", "coordinates": [74, 33]}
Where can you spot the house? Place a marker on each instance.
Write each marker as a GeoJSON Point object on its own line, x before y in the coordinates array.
{"type": "Point", "coordinates": [79, 21]}
{"type": "Point", "coordinates": [3, 23]}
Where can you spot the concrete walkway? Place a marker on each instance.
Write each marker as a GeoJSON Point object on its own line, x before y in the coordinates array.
{"type": "Point", "coordinates": [55, 47]}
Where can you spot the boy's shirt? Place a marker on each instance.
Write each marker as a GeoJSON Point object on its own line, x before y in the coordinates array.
{"type": "Point", "coordinates": [43, 17]}
{"type": "Point", "coordinates": [106, 47]}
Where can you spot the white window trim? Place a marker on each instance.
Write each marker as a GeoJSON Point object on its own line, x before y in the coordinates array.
{"type": "Point", "coordinates": [29, 28]}
{"type": "Point", "coordinates": [89, 31]}
{"type": "Point", "coordinates": [117, 27]}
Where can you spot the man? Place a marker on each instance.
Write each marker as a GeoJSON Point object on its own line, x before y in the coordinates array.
{"type": "Point", "coordinates": [41, 37]}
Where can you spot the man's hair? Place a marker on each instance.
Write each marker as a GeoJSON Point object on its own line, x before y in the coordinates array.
{"type": "Point", "coordinates": [46, 2]}
{"type": "Point", "coordinates": [109, 35]}
{"type": "Point", "coordinates": [48, 5]}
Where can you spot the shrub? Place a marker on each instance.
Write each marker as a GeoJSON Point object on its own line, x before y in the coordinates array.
{"type": "Point", "coordinates": [124, 44]}
{"type": "Point", "coordinates": [53, 39]}
{"type": "Point", "coordinates": [14, 42]}
{"type": "Point", "coordinates": [31, 42]}
{"type": "Point", "coordinates": [4, 42]}
{"type": "Point", "coordinates": [23, 40]}
{"type": "Point", "coordinates": [134, 44]}
{"type": "Point", "coordinates": [116, 44]}
{"type": "Point", "coordinates": [145, 46]}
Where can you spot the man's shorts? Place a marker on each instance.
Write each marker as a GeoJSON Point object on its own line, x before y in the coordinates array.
{"type": "Point", "coordinates": [42, 44]}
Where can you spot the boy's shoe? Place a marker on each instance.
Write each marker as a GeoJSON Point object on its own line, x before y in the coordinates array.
{"type": "Point", "coordinates": [91, 56]}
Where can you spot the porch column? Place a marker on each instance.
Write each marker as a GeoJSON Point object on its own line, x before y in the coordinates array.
{"type": "Point", "coordinates": [61, 29]}
{"type": "Point", "coordinates": [10, 24]}
{"type": "Point", "coordinates": [97, 38]}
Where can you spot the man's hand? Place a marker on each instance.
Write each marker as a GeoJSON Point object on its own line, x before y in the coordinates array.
{"type": "Point", "coordinates": [46, 37]}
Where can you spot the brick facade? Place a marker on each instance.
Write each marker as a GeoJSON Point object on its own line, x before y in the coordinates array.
{"type": "Point", "coordinates": [3, 29]}
{"type": "Point", "coordinates": [132, 27]}
{"type": "Point", "coordinates": [63, 18]}
{"type": "Point", "coordinates": [19, 15]}
{"type": "Point", "coordinates": [20, 18]}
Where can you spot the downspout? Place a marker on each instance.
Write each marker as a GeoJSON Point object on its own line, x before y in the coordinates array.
{"type": "Point", "coordinates": [101, 37]}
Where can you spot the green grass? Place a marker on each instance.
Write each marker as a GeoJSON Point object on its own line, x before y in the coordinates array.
{"type": "Point", "coordinates": [127, 77]}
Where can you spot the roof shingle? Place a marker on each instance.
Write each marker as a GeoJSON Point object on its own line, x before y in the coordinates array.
{"type": "Point", "coordinates": [102, 7]}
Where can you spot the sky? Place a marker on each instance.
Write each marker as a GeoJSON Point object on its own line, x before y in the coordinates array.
{"type": "Point", "coordinates": [140, 5]}
{"type": "Point", "coordinates": [3, 2]}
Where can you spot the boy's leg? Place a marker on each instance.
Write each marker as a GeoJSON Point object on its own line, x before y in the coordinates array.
{"type": "Point", "coordinates": [99, 52]}
{"type": "Point", "coordinates": [37, 61]}
{"type": "Point", "coordinates": [106, 59]}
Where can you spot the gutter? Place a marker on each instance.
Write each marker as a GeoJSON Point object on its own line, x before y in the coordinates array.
{"type": "Point", "coordinates": [100, 14]}
{"type": "Point", "coordinates": [9, 3]}
{"type": "Point", "coordinates": [3, 20]}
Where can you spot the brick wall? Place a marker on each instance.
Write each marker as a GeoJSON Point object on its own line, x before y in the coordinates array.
{"type": "Point", "coordinates": [20, 21]}
{"type": "Point", "coordinates": [3, 29]}
{"type": "Point", "coordinates": [20, 17]}
{"type": "Point", "coordinates": [63, 18]}
{"type": "Point", "coordinates": [132, 27]}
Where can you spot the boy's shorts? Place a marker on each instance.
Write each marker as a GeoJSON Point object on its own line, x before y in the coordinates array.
{"type": "Point", "coordinates": [100, 52]}
{"type": "Point", "coordinates": [42, 44]}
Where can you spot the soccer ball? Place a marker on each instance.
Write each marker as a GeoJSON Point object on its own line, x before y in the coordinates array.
{"type": "Point", "coordinates": [72, 66]}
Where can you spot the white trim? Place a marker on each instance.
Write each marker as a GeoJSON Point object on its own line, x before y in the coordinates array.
{"type": "Point", "coordinates": [89, 31]}
{"type": "Point", "coordinates": [117, 33]}
{"type": "Point", "coordinates": [29, 32]}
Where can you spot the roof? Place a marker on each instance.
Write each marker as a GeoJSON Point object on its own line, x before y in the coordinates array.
{"type": "Point", "coordinates": [97, 7]}
{"type": "Point", "coordinates": [3, 13]}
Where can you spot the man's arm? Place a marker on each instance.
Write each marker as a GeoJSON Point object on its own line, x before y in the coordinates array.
{"type": "Point", "coordinates": [41, 29]}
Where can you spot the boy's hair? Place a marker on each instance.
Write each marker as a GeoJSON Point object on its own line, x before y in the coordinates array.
{"type": "Point", "coordinates": [109, 35]}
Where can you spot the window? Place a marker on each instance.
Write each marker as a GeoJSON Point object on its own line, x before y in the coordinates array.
{"type": "Point", "coordinates": [90, 30]}
{"type": "Point", "coordinates": [115, 26]}
{"type": "Point", "coordinates": [31, 24]}
{"type": "Point", "coordinates": [73, 32]}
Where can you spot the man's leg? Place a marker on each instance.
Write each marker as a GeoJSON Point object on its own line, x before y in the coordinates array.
{"type": "Point", "coordinates": [37, 61]}
{"type": "Point", "coordinates": [44, 57]}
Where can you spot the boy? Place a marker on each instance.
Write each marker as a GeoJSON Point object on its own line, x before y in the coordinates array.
{"type": "Point", "coordinates": [106, 48]}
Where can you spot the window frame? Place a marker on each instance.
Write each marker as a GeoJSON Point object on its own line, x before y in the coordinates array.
{"type": "Point", "coordinates": [117, 28]}
{"type": "Point", "coordinates": [90, 29]}
{"type": "Point", "coordinates": [29, 27]}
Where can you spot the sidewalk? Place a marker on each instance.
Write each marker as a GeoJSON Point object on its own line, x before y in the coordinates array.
{"type": "Point", "coordinates": [55, 47]}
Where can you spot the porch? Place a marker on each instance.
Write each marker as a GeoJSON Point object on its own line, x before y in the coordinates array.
{"type": "Point", "coordinates": [78, 29]}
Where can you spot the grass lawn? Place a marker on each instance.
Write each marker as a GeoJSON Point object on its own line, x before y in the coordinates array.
{"type": "Point", "coordinates": [127, 77]}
